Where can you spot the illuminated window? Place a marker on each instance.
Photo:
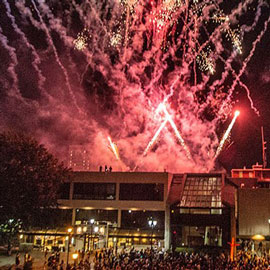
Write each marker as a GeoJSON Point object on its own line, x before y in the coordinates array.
{"type": "Point", "coordinates": [200, 191]}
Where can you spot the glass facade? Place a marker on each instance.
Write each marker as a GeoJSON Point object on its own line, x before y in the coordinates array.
{"type": "Point", "coordinates": [139, 219]}
{"type": "Point", "coordinates": [141, 192]}
{"type": "Point", "coordinates": [202, 192]}
{"type": "Point", "coordinates": [94, 191]}
{"type": "Point", "coordinates": [192, 236]}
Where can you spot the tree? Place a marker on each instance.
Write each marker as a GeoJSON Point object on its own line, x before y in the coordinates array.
{"type": "Point", "coordinates": [30, 178]}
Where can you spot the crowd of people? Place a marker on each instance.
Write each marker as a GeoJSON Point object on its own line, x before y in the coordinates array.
{"type": "Point", "coordinates": [149, 259]}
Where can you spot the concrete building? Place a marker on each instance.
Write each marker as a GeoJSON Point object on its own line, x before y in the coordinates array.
{"type": "Point", "coordinates": [143, 209]}
{"type": "Point", "coordinates": [190, 209]}
{"type": "Point", "coordinates": [200, 213]}
{"type": "Point", "coordinates": [253, 203]}
{"type": "Point", "coordinates": [126, 201]}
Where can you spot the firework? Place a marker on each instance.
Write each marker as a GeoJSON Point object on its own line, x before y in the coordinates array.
{"type": "Point", "coordinates": [113, 148]}
{"type": "Point", "coordinates": [80, 43]}
{"type": "Point", "coordinates": [226, 134]}
{"type": "Point", "coordinates": [151, 143]}
{"type": "Point", "coordinates": [116, 39]}
{"type": "Point", "coordinates": [177, 133]}
{"type": "Point", "coordinates": [234, 36]}
{"type": "Point", "coordinates": [129, 7]}
{"type": "Point", "coordinates": [163, 17]}
{"type": "Point", "coordinates": [206, 63]}
{"type": "Point", "coordinates": [220, 17]}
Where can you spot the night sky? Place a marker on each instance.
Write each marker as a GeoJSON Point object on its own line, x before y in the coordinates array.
{"type": "Point", "coordinates": [75, 72]}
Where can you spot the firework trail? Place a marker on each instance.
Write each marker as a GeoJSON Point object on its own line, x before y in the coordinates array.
{"type": "Point", "coordinates": [57, 57]}
{"type": "Point", "coordinates": [13, 62]}
{"type": "Point", "coordinates": [113, 148]}
{"type": "Point", "coordinates": [226, 134]}
{"type": "Point", "coordinates": [151, 143]}
{"type": "Point", "coordinates": [36, 61]}
{"type": "Point", "coordinates": [243, 68]}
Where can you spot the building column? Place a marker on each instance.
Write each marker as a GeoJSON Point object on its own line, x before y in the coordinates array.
{"type": "Point", "coordinates": [167, 234]}
{"type": "Point", "coordinates": [71, 190]}
{"type": "Point", "coordinates": [73, 216]}
{"type": "Point", "coordinates": [119, 218]}
{"type": "Point", "coordinates": [117, 191]}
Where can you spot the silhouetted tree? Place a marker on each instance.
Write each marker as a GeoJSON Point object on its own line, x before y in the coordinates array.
{"type": "Point", "coordinates": [30, 178]}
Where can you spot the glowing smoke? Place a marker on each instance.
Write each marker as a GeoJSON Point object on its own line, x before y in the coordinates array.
{"type": "Point", "coordinates": [133, 56]}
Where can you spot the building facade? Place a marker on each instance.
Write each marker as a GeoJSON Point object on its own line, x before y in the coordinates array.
{"type": "Point", "coordinates": [253, 204]}
{"type": "Point", "coordinates": [126, 201]}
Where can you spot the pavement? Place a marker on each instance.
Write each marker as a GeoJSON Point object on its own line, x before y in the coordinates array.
{"type": "Point", "coordinates": [38, 259]}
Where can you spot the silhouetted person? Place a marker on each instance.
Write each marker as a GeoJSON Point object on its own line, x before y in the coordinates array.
{"type": "Point", "coordinates": [100, 168]}
{"type": "Point", "coordinates": [17, 259]}
{"type": "Point", "coordinates": [110, 169]}
{"type": "Point", "coordinates": [106, 168]}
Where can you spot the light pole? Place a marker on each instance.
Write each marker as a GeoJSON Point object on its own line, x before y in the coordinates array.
{"type": "Point", "coordinates": [69, 232]}
{"type": "Point", "coordinates": [269, 230]}
{"type": "Point", "coordinates": [152, 223]}
{"type": "Point", "coordinates": [91, 221]}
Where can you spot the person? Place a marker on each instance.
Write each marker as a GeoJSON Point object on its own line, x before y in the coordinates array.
{"type": "Point", "coordinates": [110, 169]}
{"type": "Point", "coordinates": [106, 168]}
{"type": "Point", "coordinates": [17, 259]}
{"type": "Point", "coordinates": [26, 257]}
{"type": "Point", "coordinates": [45, 253]}
{"type": "Point", "coordinates": [100, 168]}
{"type": "Point", "coordinates": [62, 265]}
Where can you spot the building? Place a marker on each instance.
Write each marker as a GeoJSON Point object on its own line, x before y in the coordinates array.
{"type": "Point", "coordinates": [200, 213]}
{"type": "Point", "coordinates": [126, 201]}
{"type": "Point", "coordinates": [190, 209]}
{"type": "Point", "coordinates": [143, 209]}
{"type": "Point", "coordinates": [253, 203]}
{"type": "Point", "coordinates": [78, 158]}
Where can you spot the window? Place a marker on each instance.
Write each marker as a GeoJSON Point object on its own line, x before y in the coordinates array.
{"type": "Point", "coordinates": [94, 191]}
{"type": "Point", "coordinates": [64, 191]}
{"type": "Point", "coordinates": [139, 219]}
{"type": "Point", "coordinates": [141, 192]}
{"type": "Point", "coordinates": [97, 214]}
{"type": "Point", "coordinates": [202, 192]}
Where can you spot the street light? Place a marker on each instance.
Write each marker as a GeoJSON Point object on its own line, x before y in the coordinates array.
{"type": "Point", "coordinates": [75, 257]}
{"type": "Point", "coordinates": [152, 223]}
{"type": "Point", "coordinates": [69, 230]}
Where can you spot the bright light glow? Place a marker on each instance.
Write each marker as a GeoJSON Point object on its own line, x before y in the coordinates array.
{"type": "Point", "coordinates": [92, 221]}
{"type": "Point", "coordinates": [150, 144]}
{"type": "Point", "coordinates": [69, 230]}
{"type": "Point", "coordinates": [161, 106]}
{"type": "Point", "coordinates": [237, 113]}
{"type": "Point", "coordinates": [114, 148]}
{"type": "Point", "coordinates": [75, 256]}
{"type": "Point", "coordinates": [152, 223]}
{"type": "Point", "coordinates": [79, 230]}
{"type": "Point", "coordinates": [80, 43]}
{"type": "Point", "coordinates": [96, 229]}
{"type": "Point", "coordinates": [226, 134]}
{"type": "Point", "coordinates": [177, 133]}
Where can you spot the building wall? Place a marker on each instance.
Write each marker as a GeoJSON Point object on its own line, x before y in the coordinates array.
{"type": "Point", "coordinates": [253, 212]}
{"type": "Point", "coordinates": [121, 206]}
{"type": "Point", "coordinates": [117, 177]}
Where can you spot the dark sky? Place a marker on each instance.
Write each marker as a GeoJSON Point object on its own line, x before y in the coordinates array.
{"type": "Point", "coordinates": [63, 96]}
